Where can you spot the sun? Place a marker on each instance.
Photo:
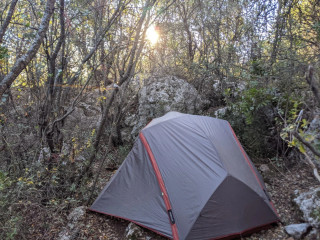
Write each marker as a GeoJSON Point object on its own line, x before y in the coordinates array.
{"type": "Point", "coordinates": [152, 35]}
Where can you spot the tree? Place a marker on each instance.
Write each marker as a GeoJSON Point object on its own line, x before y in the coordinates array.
{"type": "Point", "coordinates": [23, 61]}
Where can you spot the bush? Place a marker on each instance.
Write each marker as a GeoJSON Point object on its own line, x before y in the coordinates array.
{"type": "Point", "coordinates": [256, 115]}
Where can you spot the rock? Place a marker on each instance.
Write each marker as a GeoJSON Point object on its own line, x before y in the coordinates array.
{"type": "Point", "coordinates": [315, 123]}
{"type": "Point", "coordinates": [220, 112]}
{"type": "Point", "coordinates": [313, 235]}
{"type": "Point", "coordinates": [72, 229]}
{"type": "Point", "coordinates": [264, 168]}
{"type": "Point", "coordinates": [314, 131]}
{"type": "Point", "coordinates": [235, 87]}
{"type": "Point", "coordinates": [309, 204]}
{"type": "Point", "coordinates": [77, 214]}
{"type": "Point", "coordinates": [44, 154]}
{"type": "Point", "coordinates": [297, 230]}
{"type": "Point", "coordinates": [133, 232]}
{"type": "Point", "coordinates": [159, 96]}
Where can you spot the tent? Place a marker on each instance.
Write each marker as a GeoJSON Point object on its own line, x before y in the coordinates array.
{"type": "Point", "coordinates": [188, 177]}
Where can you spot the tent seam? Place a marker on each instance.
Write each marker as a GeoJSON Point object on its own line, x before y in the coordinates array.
{"type": "Point", "coordinates": [205, 205]}
{"type": "Point", "coordinates": [161, 185]}
{"type": "Point", "coordinates": [252, 169]}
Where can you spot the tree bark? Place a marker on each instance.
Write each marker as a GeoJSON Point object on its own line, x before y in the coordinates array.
{"type": "Point", "coordinates": [5, 25]}
{"type": "Point", "coordinates": [23, 61]}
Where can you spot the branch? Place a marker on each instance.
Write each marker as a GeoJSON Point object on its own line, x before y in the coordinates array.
{"type": "Point", "coordinates": [23, 61]}
{"type": "Point", "coordinates": [7, 20]}
{"type": "Point", "coordinates": [62, 29]}
{"type": "Point", "coordinates": [307, 144]}
{"type": "Point", "coordinates": [313, 150]}
{"type": "Point", "coordinates": [113, 18]}
{"type": "Point", "coordinates": [315, 170]}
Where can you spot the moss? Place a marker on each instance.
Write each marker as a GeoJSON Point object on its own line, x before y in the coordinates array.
{"type": "Point", "coordinates": [315, 213]}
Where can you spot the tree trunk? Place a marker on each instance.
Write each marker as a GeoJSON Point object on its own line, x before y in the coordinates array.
{"type": "Point", "coordinates": [5, 25]}
{"type": "Point", "coordinates": [23, 61]}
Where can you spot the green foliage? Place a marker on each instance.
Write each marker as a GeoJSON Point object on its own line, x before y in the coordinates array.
{"type": "Point", "coordinates": [12, 226]}
{"type": "Point", "coordinates": [3, 53]}
{"type": "Point", "coordinates": [256, 115]}
{"type": "Point", "coordinates": [4, 181]}
{"type": "Point", "coordinates": [315, 214]}
{"type": "Point", "coordinates": [295, 123]}
{"type": "Point", "coordinates": [247, 116]}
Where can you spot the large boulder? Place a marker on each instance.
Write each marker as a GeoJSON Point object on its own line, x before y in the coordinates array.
{"type": "Point", "coordinates": [158, 96]}
{"type": "Point", "coordinates": [309, 204]}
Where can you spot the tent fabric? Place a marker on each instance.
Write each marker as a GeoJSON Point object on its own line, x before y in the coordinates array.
{"type": "Point", "coordinates": [188, 177]}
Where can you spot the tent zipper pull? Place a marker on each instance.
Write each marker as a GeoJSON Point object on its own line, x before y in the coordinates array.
{"type": "Point", "coordinates": [171, 216]}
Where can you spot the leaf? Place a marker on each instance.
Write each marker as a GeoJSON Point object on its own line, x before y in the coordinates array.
{"type": "Point", "coordinates": [302, 149]}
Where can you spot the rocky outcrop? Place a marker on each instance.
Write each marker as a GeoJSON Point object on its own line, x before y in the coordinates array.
{"type": "Point", "coordinates": [314, 132]}
{"type": "Point", "coordinates": [309, 204]}
{"type": "Point", "coordinates": [158, 96]}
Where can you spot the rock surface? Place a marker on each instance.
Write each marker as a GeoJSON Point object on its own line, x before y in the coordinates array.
{"type": "Point", "coordinates": [159, 96]}
{"type": "Point", "coordinates": [309, 204]}
{"type": "Point", "coordinates": [72, 229]}
{"type": "Point", "coordinates": [133, 232]}
{"type": "Point", "coordinates": [264, 168]}
{"type": "Point", "coordinates": [297, 230]}
{"type": "Point", "coordinates": [314, 133]}
{"type": "Point", "coordinates": [313, 235]}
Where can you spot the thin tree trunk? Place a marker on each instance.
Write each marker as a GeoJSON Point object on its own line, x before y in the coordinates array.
{"type": "Point", "coordinates": [23, 61]}
{"type": "Point", "coordinates": [5, 25]}
{"type": "Point", "coordinates": [134, 56]}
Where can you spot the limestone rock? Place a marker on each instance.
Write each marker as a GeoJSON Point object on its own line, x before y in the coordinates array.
{"type": "Point", "coordinates": [133, 232]}
{"type": "Point", "coordinates": [314, 131]}
{"type": "Point", "coordinates": [313, 235]}
{"type": "Point", "coordinates": [309, 204]}
{"type": "Point", "coordinates": [220, 112]}
{"type": "Point", "coordinates": [264, 168]}
{"type": "Point", "coordinates": [161, 95]}
{"type": "Point", "coordinates": [71, 231]}
{"type": "Point", "coordinates": [297, 230]}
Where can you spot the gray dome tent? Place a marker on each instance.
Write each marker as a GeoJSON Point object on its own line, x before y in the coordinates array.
{"type": "Point", "coordinates": [188, 177]}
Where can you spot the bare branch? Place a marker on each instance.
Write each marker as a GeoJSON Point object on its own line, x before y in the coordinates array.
{"type": "Point", "coordinates": [315, 170]}
{"type": "Point", "coordinates": [307, 144]}
{"type": "Point", "coordinates": [23, 61]}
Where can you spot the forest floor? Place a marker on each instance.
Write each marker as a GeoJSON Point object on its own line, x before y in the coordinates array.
{"type": "Point", "coordinates": [281, 185]}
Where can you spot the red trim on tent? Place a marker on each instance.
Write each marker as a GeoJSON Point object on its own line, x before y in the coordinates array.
{"type": "Point", "coordinates": [161, 183]}
{"type": "Point", "coordinates": [250, 165]}
{"type": "Point", "coordinates": [130, 221]}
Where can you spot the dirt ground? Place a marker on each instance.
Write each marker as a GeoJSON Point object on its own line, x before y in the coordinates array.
{"type": "Point", "coordinates": [281, 186]}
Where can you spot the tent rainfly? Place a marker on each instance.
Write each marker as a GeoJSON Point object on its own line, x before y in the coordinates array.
{"type": "Point", "coordinates": [188, 177]}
